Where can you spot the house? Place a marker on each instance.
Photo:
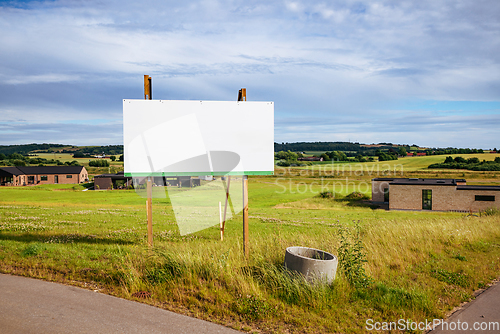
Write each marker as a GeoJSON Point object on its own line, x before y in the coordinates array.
{"type": "Point", "coordinates": [119, 180]}
{"type": "Point", "coordinates": [434, 194]}
{"type": "Point", "coordinates": [36, 175]}
{"type": "Point", "coordinates": [112, 181]}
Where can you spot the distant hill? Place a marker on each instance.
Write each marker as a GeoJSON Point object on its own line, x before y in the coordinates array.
{"type": "Point", "coordinates": [49, 148]}
{"type": "Point", "coordinates": [26, 148]}
{"type": "Point", "coordinates": [351, 149]}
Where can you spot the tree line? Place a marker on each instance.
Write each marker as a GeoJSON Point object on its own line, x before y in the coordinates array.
{"type": "Point", "coordinates": [16, 159]}
{"type": "Point", "coordinates": [469, 164]}
{"type": "Point", "coordinates": [49, 148]}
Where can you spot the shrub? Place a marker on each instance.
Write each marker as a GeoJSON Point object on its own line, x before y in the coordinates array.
{"type": "Point", "coordinates": [352, 257]}
{"type": "Point", "coordinates": [356, 196]}
{"type": "Point", "coordinates": [326, 194]}
{"type": "Point", "coordinates": [283, 163]}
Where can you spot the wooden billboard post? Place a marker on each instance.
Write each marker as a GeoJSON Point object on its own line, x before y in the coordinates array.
{"type": "Point", "coordinates": [242, 96]}
{"type": "Point", "coordinates": [148, 94]}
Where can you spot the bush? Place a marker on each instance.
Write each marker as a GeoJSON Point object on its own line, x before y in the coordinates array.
{"type": "Point", "coordinates": [352, 257]}
{"type": "Point", "coordinates": [387, 157]}
{"type": "Point", "coordinates": [289, 156]}
{"type": "Point", "coordinates": [283, 163]}
{"type": "Point", "coordinates": [356, 196]}
{"type": "Point", "coordinates": [326, 194]}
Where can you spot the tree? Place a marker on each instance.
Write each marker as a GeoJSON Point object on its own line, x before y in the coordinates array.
{"type": "Point", "coordinates": [288, 155]}
{"type": "Point", "coordinates": [78, 155]}
{"type": "Point", "coordinates": [448, 160]}
{"type": "Point", "coordinates": [16, 156]}
{"type": "Point", "coordinates": [113, 158]}
{"type": "Point", "coordinates": [120, 158]}
{"type": "Point", "coordinates": [3, 156]}
{"type": "Point", "coordinates": [402, 151]}
{"type": "Point", "coordinates": [99, 163]}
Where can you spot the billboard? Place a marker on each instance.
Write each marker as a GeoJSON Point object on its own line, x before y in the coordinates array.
{"type": "Point", "coordinates": [195, 138]}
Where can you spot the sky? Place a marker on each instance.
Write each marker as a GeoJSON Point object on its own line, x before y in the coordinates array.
{"type": "Point", "coordinates": [406, 72]}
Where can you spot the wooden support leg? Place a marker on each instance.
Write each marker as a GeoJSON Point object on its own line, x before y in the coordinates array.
{"type": "Point", "coordinates": [245, 216]}
{"type": "Point", "coordinates": [223, 226]}
{"type": "Point", "coordinates": [149, 207]}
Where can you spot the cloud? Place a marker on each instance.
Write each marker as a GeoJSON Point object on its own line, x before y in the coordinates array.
{"type": "Point", "coordinates": [67, 60]}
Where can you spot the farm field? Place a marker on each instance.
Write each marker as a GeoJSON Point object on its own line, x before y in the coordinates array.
{"type": "Point", "coordinates": [419, 265]}
{"type": "Point", "coordinates": [403, 167]}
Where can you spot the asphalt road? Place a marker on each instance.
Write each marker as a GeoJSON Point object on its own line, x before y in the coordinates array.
{"type": "Point", "coordinates": [34, 306]}
{"type": "Point", "coordinates": [482, 315]}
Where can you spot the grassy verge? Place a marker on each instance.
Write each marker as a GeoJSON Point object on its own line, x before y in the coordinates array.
{"type": "Point", "coordinates": [420, 264]}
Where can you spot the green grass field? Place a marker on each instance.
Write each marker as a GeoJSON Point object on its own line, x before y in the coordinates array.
{"type": "Point", "coordinates": [114, 166]}
{"type": "Point", "coordinates": [420, 264]}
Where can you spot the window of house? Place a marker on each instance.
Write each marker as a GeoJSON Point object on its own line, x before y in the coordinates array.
{"type": "Point", "coordinates": [426, 199]}
{"type": "Point", "coordinates": [485, 198]}
{"type": "Point", "coordinates": [43, 177]}
{"type": "Point", "coordinates": [69, 176]}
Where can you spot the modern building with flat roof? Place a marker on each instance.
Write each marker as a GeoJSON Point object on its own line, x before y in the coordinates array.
{"type": "Point", "coordinates": [434, 194]}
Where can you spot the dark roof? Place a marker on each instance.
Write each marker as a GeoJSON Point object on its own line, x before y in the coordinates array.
{"type": "Point", "coordinates": [9, 171]}
{"type": "Point", "coordinates": [117, 176]}
{"type": "Point", "coordinates": [491, 188]}
{"type": "Point", "coordinates": [43, 170]}
{"type": "Point", "coordinates": [437, 182]}
{"type": "Point", "coordinates": [410, 181]}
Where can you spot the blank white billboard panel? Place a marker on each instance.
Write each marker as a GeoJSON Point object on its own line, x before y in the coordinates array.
{"type": "Point", "coordinates": [172, 138]}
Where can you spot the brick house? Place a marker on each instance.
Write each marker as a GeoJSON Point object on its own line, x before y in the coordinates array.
{"type": "Point", "coordinates": [36, 175]}
{"type": "Point", "coordinates": [434, 194]}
